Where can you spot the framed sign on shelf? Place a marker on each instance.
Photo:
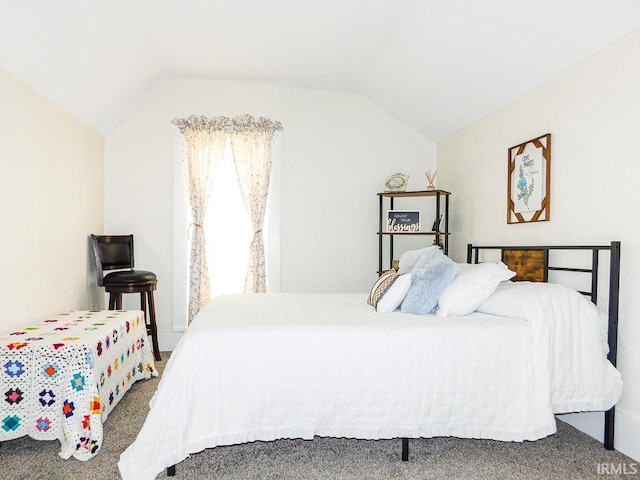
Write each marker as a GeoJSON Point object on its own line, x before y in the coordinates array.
{"type": "Point", "coordinates": [529, 181]}
{"type": "Point", "coordinates": [403, 221]}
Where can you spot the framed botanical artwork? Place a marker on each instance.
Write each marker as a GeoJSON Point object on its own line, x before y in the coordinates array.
{"type": "Point", "coordinates": [529, 181]}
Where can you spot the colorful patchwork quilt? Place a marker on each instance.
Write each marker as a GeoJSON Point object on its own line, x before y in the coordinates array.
{"type": "Point", "coordinates": [60, 378]}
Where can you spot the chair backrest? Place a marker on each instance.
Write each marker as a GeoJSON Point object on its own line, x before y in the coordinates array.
{"type": "Point", "coordinates": [112, 252]}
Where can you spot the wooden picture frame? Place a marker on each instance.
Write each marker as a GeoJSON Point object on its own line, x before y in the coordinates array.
{"type": "Point", "coordinates": [529, 181]}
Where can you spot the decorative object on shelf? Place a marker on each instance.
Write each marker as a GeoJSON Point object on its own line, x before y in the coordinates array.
{"type": "Point", "coordinates": [396, 182]}
{"type": "Point", "coordinates": [403, 221]}
{"type": "Point", "coordinates": [431, 178]}
{"type": "Point", "coordinates": [529, 181]}
{"type": "Point", "coordinates": [436, 224]}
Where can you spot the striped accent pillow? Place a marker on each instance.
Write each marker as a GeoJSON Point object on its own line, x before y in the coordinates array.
{"type": "Point", "coordinates": [381, 286]}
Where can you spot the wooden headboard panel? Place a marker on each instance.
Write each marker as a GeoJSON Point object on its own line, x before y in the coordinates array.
{"type": "Point", "coordinates": [531, 263]}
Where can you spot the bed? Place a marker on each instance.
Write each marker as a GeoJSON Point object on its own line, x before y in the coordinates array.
{"type": "Point", "coordinates": [260, 367]}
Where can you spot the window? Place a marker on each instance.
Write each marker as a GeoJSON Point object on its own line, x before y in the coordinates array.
{"type": "Point", "coordinates": [220, 268]}
{"type": "Point", "coordinates": [228, 231]}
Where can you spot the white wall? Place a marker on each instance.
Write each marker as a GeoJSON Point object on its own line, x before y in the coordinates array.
{"type": "Point", "coordinates": [337, 148]}
{"type": "Point", "coordinates": [51, 192]}
{"type": "Point", "coordinates": [592, 111]}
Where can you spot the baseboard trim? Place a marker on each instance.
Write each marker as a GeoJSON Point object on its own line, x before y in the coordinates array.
{"type": "Point", "coordinates": [167, 340]}
{"type": "Point", "coordinates": [627, 429]}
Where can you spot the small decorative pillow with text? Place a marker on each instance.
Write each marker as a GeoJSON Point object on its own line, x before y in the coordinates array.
{"type": "Point", "coordinates": [393, 297]}
{"type": "Point", "coordinates": [384, 282]}
{"type": "Point", "coordinates": [433, 272]}
{"type": "Point", "coordinates": [473, 284]}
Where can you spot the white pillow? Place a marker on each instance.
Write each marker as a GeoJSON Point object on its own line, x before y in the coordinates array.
{"type": "Point", "coordinates": [393, 297]}
{"type": "Point", "coordinates": [473, 284]}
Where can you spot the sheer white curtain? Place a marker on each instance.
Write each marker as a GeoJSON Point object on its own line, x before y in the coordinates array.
{"type": "Point", "coordinates": [203, 147]}
{"type": "Point", "coordinates": [203, 144]}
{"type": "Point", "coordinates": [252, 147]}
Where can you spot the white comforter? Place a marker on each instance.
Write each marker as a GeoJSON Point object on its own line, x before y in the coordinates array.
{"type": "Point", "coordinates": [570, 343]}
{"type": "Point", "coordinates": [269, 366]}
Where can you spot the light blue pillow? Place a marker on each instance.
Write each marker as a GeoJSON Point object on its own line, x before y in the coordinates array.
{"type": "Point", "coordinates": [430, 276]}
{"type": "Point", "coordinates": [410, 258]}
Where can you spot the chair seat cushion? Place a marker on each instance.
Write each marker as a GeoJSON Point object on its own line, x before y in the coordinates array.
{"type": "Point", "coordinates": [129, 277]}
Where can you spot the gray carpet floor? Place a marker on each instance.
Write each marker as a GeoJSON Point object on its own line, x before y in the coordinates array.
{"type": "Point", "coordinates": [569, 454]}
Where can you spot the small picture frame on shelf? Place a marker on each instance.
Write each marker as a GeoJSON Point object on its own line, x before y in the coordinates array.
{"type": "Point", "coordinates": [436, 224]}
{"type": "Point", "coordinates": [396, 182]}
{"type": "Point", "coordinates": [403, 221]}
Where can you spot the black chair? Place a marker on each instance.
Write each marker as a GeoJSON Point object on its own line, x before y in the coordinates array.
{"type": "Point", "coordinates": [115, 252]}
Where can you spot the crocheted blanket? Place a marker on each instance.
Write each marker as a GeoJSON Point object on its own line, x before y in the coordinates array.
{"type": "Point", "coordinates": [60, 378]}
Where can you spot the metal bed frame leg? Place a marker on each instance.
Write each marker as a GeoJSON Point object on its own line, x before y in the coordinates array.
{"type": "Point", "coordinates": [171, 471]}
{"type": "Point", "coordinates": [614, 295]}
{"type": "Point", "coordinates": [609, 424]}
{"type": "Point", "coordinates": [405, 449]}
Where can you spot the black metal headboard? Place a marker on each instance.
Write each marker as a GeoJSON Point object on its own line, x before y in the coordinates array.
{"type": "Point", "coordinates": [531, 263]}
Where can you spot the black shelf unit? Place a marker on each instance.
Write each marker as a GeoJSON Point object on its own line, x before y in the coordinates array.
{"type": "Point", "coordinates": [441, 208]}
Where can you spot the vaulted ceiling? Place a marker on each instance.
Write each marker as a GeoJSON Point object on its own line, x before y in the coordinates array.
{"type": "Point", "coordinates": [438, 65]}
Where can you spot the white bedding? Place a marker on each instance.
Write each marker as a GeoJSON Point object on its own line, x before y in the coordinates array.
{"type": "Point", "coordinates": [574, 331]}
{"type": "Point", "coordinates": [269, 366]}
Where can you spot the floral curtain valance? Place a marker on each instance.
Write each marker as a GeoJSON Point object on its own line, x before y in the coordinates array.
{"type": "Point", "coordinates": [239, 123]}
